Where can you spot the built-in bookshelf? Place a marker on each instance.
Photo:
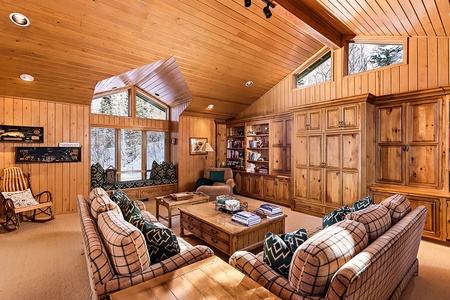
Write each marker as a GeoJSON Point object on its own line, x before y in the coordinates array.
{"type": "Point", "coordinates": [257, 146]}
{"type": "Point", "coordinates": [236, 147]}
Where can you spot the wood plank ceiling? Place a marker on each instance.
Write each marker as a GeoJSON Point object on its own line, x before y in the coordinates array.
{"type": "Point", "coordinates": [197, 52]}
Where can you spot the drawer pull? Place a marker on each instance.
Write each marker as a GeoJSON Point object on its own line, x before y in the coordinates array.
{"type": "Point", "coordinates": [214, 231]}
{"type": "Point", "coordinates": [215, 241]}
{"type": "Point", "coordinates": [190, 227]}
{"type": "Point", "coordinates": [190, 219]}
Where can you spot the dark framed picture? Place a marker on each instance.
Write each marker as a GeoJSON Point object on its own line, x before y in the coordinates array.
{"type": "Point", "coordinates": [47, 154]}
{"type": "Point", "coordinates": [195, 144]}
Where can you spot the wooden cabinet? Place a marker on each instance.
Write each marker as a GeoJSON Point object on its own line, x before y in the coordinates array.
{"type": "Point", "coordinates": [280, 143]}
{"type": "Point", "coordinates": [308, 120]}
{"type": "Point", "coordinates": [257, 146]}
{"type": "Point", "coordinates": [417, 197]}
{"type": "Point", "coordinates": [272, 188]}
{"type": "Point", "coordinates": [332, 166]}
{"type": "Point", "coordinates": [408, 143]}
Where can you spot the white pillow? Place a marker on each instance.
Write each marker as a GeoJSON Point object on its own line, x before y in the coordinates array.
{"type": "Point", "coordinates": [21, 198]}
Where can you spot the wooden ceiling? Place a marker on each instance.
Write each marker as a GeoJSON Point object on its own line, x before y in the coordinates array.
{"type": "Point", "coordinates": [197, 52]}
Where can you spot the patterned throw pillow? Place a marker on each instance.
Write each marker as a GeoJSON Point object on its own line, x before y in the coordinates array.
{"type": "Point", "coordinates": [398, 206]}
{"type": "Point", "coordinates": [376, 219]}
{"type": "Point", "coordinates": [97, 175]}
{"type": "Point", "coordinates": [117, 196]}
{"type": "Point", "coordinates": [130, 209]}
{"type": "Point", "coordinates": [161, 241]}
{"type": "Point", "coordinates": [157, 172]}
{"type": "Point", "coordinates": [335, 216]}
{"type": "Point", "coordinates": [102, 203]}
{"type": "Point", "coordinates": [96, 192]}
{"type": "Point", "coordinates": [21, 198]}
{"type": "Point", "coordinates": [362, 203]}
{"type": "Point", "coordinates": [278, 249]}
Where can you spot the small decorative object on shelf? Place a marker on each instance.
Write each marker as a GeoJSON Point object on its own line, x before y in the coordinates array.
{"type": "Point", "coordinates": [227, 204]}
{"type": "Point", "coordinates": [110, 174]}
{"type": "Point", "coordinates": [21, 134]}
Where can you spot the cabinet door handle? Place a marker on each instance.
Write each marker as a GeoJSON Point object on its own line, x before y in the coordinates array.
{"type": "Point", "coordinates": [307, 127]}
{"type": "Point", "coordinates": [214, 231]}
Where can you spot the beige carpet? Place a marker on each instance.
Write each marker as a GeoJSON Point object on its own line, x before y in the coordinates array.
{"type": "Point", "coordinates": [45, 260]}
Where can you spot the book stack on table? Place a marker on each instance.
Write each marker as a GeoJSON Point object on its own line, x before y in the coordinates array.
{"type": "Point", "coordinates": [246, 218]}
{"type": "Point", "coordinates": [270, 211]}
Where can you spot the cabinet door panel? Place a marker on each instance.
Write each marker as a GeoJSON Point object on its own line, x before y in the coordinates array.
{"type": "Point", "coordinates": [424, 122]}
{"type": "Point", "coordinates": [301, 151]}
{"type": "Point", "coordinates": [277, 159]}
{"type": "Point", "coordinates": [333, 187]}
{"type": "Point", "coordinates": [277, 128]}
{"type": "Point", "coordinates": [256, 186]}
{"type": "Point", "coordinates": [350, 187]}
{"type": "Point", "coordinates": [315, 150]}
{"type": "Point", "coordinates": [332, 118]}
{"type": "Point", "coordinates": [301, 182]}
{"type": "Point", "coordinates": [390, 164]}
{"type": "Point", "coordinates": [431, 227]}
{"type": "Point", "coordinates": [269, 188]}
{"type": "Point", "coordinates": [315, 120]}
{"type": "Point", "coordinates": [315, 184]}
{"type": "Point", "coordinates": [350, 151]}
{"type": "Point", "coordinates": [333, 151]}
{"type": "Point", "coordinates": [423, 168]}
{"type": "Point", "coordinates": [390, 124]}
{"type": "Point", "coordinates": [350, 116]}
{"type": "Point", "coordinates": [301, 120]}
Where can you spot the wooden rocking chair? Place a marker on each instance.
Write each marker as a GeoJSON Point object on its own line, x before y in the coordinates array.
{"type": "Point", "coordinates": [13, 180]}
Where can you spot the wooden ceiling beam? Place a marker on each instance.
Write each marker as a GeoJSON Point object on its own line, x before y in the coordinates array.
{"type": "Point", "coordinates": [321, 25]}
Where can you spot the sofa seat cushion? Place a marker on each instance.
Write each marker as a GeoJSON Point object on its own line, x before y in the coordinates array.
{"type": "Point", "coordinates": [335, 216]}
{"type": "Point", "coordinates": [316, 260]}
{"type": "Point", "coordinates": [102, 203]}
{"type": "Point", "coordinates": [279, 249]}
{"type": "Point", "coordinates": [376, 219]}
{"type": "Point", "coordinates": [398, 205]}
{"type": "Point", "coordinates": [125, 244]}
{"type": "Point", "coordinates": [161, 241]}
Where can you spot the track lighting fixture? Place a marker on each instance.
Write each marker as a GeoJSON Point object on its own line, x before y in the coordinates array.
{"type": "Point", "coordinates": [266, 9]}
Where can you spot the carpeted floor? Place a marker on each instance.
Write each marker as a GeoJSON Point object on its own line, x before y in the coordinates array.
{"type": "Point", "coordinates": [46, 261]}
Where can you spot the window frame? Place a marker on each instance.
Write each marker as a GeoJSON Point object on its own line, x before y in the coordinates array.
{"type": "Point", "coordinates": [112, 92]}
{"type": "Point", "coordinates": [376, 40]}
{"type": "Point", "coordinates": [311, 62]}
{"type": "Point", "coordinates": [151, 98]}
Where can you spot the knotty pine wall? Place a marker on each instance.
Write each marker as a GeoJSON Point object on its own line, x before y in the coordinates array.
{"type": "Point", "coordinates": [427, 67]}
{"type": "Point", "coordinates": [190, 167]}
{"type": "Point", "coordinates": [62, 123]}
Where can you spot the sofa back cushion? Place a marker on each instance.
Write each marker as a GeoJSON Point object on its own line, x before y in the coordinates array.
{"type": "Point", "coordinates": [125, 244]}
{"type": "Point", "coordinates": [102, 203]}
{"type": "Point", "coordinates": [95, 192]}
{"type": "Point", "coordinates": [376, 219]}
{"type": "Point", "coordinates": [398, 206]}
{"type": "Point", "coordinates": [316, 260]}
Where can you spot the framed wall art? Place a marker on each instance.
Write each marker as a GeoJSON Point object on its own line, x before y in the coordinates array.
{"type": "Point", "coordinates": [195, 144]}
{"type": "Point", "coordinates": [47, 154]}
{"type": "Point", "coordinates": [21, 134]}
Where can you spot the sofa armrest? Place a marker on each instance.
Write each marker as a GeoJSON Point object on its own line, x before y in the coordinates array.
{"type": "Point", "coordinates": [147, 215]}
{"type": "Point", "coordinates": [186, 257]}
{"type": "Point", "coordinates": [230, 182]}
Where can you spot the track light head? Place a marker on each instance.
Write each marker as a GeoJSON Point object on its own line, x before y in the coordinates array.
{"type": "Point", "coordinates": [248, 3]}
{"type": "Point", "coordinates": [267, 11]}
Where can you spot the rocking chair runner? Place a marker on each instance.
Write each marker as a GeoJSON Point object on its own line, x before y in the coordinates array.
{"type": "Point", "coordinates": [13, 180]}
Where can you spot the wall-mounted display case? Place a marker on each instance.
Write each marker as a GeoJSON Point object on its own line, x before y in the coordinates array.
{"type": "Point", "coordinates": [47, 154]}
{"type": "Point", "coordinates": [21, 134]}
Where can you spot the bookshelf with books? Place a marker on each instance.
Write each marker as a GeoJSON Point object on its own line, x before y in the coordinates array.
{"type": "Point", "coordinates": [235, 147]}
{"type": "Point", "coordinates": [257, 147]}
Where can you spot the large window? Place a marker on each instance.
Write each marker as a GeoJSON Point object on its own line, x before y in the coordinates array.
{"type": "Point", "coordinates": [319, 71]}
{"type": "Point", "coordinates": [117, 104]}
{"type": "Point", "coordinates": [146, 108]}
{"type": "Point", "coordinates": [135, 162]}
{"type": "Point", "coordinates": [368, 56]}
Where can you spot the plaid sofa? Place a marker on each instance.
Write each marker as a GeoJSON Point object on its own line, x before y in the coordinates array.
{"type": "Point", "coordinates": [103, 276]}
{"type": "Point", "coordinates": [381, 270]}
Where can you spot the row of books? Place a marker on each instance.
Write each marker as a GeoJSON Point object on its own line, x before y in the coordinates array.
{"type": "Point", "coordinates": [246, 218]}
{"type": "Point", "coordinates": [269, 210]}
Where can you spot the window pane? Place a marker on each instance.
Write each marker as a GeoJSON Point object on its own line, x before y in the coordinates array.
{"type": "Point", "coordinates": [103, 147]}
{"type": "Point", "coordinates": [113, 105]}
{"type": "Point", "coordinates": [131, 155]}
{"type": "Point", "coordinates": [155, 147]}
{"type": "Point", "coordinates": [366, 57]}
{"type": "Point", "coordinates": [318, 72]}
{"type": "Point", "coordinates": [146, 108]}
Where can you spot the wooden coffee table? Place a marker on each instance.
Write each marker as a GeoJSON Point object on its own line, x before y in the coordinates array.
{"type": "Point", "coordinates": [217, 229]}
{"type": "Point", "coordinates": [210, 278]}
{"type": "Point", "coordinates": [169, 203]}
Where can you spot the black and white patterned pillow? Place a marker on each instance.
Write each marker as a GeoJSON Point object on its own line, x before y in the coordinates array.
{"type": "Point", "coordinates": [278, 249]}
{"type": "Point", "coordinates": [97, 175]}
{"type": "Point", "coordinates": [362, 203]}
{"type": "Point", "coordinates": [118, 195]}
{"type": "Point", "coordinates": [157, 172]}
{"type": "Point", "coordinates": [335, 216]}
{"type": "Point", "coordinates": [130, 209]}
{"type": "Point", "coordinates": [161, 241]}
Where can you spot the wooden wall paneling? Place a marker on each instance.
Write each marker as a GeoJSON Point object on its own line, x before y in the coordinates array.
{"type": "Point", "coordinates": [50, 132]}
{"type": "Point", "coordinates": [221, 143]}
{"type": "Point", "coordinates": [443, 61]}
{"type": "Point", "coordinates": [403, 78]}
{"type": "Point", "coordinates": [432, 62]}
{"type": "Point", "coordinates": [59, 187]}
{"type": "Point", "coordinates": [422, 64]}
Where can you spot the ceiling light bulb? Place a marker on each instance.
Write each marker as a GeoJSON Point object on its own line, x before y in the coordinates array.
{"type": "Point", "coordinates": [266, 11]}
{"type": "Point", "coordinates": [26, 77]}
{"type": "Point", "coordinates": [249, 83]}
{"type": "Point", "coordinates": [211, 106]}
{"type": "Point", "coordinates": [248, 3]}
{"type": "Point", "coordinates": [19, 19]}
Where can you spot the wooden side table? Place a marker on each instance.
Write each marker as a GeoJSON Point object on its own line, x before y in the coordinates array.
{"type": "Point", "coordinates": [211, 278]}
{"type": "Point", "coordinates": [169, 203]}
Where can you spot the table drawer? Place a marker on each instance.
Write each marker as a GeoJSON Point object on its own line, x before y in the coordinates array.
{"type": "Point", "coordinates": [216, 232]}
{"type": "Point", "coordinates": [191, 228]}
{"type": "Point", "coordinates": [191, 220]}
{"type": "Point", "coordinates": [215, 242]}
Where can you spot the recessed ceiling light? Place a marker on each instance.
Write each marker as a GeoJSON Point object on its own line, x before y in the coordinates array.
{"type": "Point", "coordinates": [19, 19]}
{"type": "Point", "coordinates": [249, 83]}
{"type": "Point", "coordinates": [26, 77]}
{"type": "Point", "coordinates": [211, 106]}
